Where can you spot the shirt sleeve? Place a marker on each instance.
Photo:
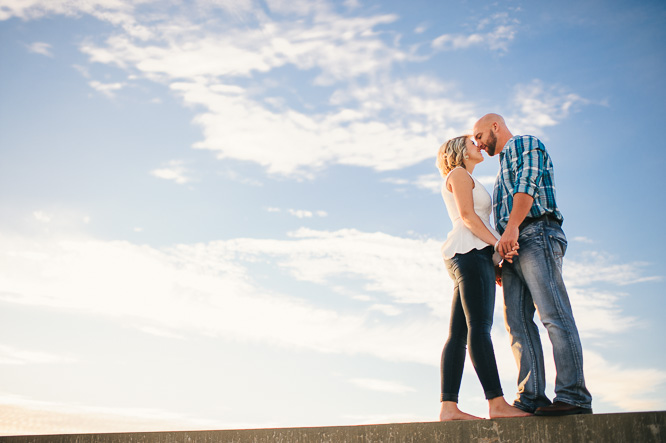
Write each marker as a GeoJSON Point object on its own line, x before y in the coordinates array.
{"type": "Point", "coordinates": [529, 167]}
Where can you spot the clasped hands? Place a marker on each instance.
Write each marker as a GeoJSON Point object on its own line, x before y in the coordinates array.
{"type": "Point", "coordinates": [507, 247]}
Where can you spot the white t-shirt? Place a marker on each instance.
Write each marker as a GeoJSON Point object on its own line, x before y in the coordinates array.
{"type": "Point", "coordinates": [461, 240]}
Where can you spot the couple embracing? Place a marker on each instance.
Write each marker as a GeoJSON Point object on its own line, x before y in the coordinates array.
{"type": "Point", "coordinates": [524, 255]}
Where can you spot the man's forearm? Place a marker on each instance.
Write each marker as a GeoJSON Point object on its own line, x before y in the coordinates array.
{"type": "Point", "coordinates": [522, 203]}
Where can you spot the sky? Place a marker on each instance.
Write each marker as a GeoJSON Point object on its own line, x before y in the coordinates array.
{"type": "Point", "coordinates": [221, 214]}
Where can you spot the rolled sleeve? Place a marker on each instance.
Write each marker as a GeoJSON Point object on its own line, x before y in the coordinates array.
{"type": "Point", "coordinates": [529, 169]}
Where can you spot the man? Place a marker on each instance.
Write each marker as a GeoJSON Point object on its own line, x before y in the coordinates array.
{"type": "Point", "coordinates": [526, 214]}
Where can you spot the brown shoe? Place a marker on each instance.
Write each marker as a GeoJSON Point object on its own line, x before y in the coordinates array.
{"type": "Point", "coordinates": [560, 408]}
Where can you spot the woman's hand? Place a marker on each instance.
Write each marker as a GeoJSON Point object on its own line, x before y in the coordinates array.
{"type": "Point", "coordinates": [498, 275]}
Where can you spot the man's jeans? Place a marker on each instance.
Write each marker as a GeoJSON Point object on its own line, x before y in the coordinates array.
{"type": "Point", "coordinates": [535, 278]}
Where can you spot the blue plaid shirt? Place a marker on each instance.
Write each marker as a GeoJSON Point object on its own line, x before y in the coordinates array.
{"type": "Point", "coordinates": [525, 167]}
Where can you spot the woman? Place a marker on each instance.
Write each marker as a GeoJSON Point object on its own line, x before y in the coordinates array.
{"type": "Point", "coordinates": [470, 257]}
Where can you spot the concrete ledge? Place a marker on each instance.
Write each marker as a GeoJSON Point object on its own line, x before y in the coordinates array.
{"type": "Point", "coordinates": [631, 427]}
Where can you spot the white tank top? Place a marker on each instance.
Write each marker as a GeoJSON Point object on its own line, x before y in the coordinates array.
{"type": "Point", "coordinates": [461, 240]}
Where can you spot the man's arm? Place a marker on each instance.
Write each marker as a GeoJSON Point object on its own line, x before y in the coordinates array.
{"type": "Point", "coordinates": [522, 203]}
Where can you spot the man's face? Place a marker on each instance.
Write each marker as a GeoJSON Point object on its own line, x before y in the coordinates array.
{"type": "Point", "coordinates": [486, 139]}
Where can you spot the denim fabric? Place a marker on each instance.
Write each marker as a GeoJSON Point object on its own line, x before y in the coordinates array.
{"type": "Point", "coordinates": [535, 280]}
{"type": "Point", "coordinates": [472, 308]}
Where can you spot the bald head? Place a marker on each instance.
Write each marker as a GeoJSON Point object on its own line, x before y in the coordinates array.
{"type": "Point", "coordinates": [491, 133]}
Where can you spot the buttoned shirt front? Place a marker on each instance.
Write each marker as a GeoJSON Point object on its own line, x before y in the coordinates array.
{"type": "Point", "coordinates": [526, 167]}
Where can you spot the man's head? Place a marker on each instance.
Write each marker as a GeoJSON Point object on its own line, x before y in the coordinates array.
{"type": "Point", "coordinates": [491, 133]}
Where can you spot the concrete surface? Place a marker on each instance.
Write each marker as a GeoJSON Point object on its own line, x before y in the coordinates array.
{"type": "Point", "coordinates": [639, 427]}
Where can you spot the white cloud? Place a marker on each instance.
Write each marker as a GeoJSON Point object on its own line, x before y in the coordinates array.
{"type": "Point", "coordinates": [25, 416]}
{"type": "Point", "coordinates": [192, 287]}
{"type": "Point", "coordinates": [539, 106]}
{"type": "Point", "coordinates": [40, 48]}
{"type": "Point", "coordinates": [496, 39]}
{"type": "Point", "coordinates": [300, 213]}
{"type": "Point", "coordinates": [173, 170]}
{"type": "Point", "coordinates": [430, 182]}
{"type": "Point", "coordinates": [433, 182]}
{"type": "Point", "coordinates": [392, 387]}
{"type": "Point", "coordinates": [608, 382]}
{"type": "Point", "coordinates": [204, 67]}
{"type": "Point", "coordinates": [487, 180]}
{"type": "Point", "coordinates": [12, 356]}
{"type": "Point", "coordinates": [294, 143]}
{"type": "Point", "coordinates": [389, 310]}
{"type": "Point", "coordinates": [42, 217]}
{"type": "Point", "coordinates": [594, 267]}
{"type": "Point", "coordinates": [107, 89]}
{"type": "Point", "coordinates": [349, 58]}
{"type": "Point", "coordinates": [211, 288]}
{"type": "Point", "coordinates": [158, 332]}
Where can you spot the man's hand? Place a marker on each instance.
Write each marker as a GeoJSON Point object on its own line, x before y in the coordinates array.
{"type": "Point", "coordinates": [508, 241]}
{"type": "Point", "coordinates": [512, 253]}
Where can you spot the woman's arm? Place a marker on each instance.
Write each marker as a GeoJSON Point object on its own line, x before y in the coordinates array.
{"type": "Point", "coordinates": [461, 185]}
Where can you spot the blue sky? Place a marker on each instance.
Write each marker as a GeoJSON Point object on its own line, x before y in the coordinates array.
{"type": "Point", "coordinates": [225, 214]}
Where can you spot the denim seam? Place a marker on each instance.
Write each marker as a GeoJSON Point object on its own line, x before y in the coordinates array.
{"type": "Point", "coordinates": [528, 336]}
{"type": "Point", "coordinates": [560, 311]}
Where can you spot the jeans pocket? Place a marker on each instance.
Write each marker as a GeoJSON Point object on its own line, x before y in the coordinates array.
{"type": "Point", "coordinates": [558, 243]}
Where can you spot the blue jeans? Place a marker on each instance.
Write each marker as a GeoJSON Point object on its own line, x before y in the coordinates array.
{"type": "Point", "coordinates": [472, 309]}
{"type": "Point", "coordinates": [534, 280]}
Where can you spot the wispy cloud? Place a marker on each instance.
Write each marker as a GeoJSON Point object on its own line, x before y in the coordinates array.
{"type": "Point", "coordinates": [174, 170]}
{"type": "Point", "coordinates": [25, 416]}
{"type": "Point", "coordinates": [608, 381]}
{"type": "Point", "coordinates": [346, 57]}
{"type": "Point", "coordinates": [13, 356]}
{"type": "Point", "coordinates": [193, 288]}
{"type": "Point", "coordinates": [42, 217]}
{"type": "Point", "coordinates": [430, 182]}
{"type": "Point", "coordinates": [211, 288]}
{"type": "Point", "coordinates": [392, 387]}
{"type": "Point", "coordinates": [108, 89]}
{"type": "Point", "coordinates": [502, 32]}
{"type": "Point", "coordinates": [594, 267]}
{"type": "Point", "coordinates": [433, 182]}
{"type": "Point", "coordinates": [40, 48]}
{"type": "Point", "coordinates": [539, 106]}
{"type": "Point", "coordinates": [300, 213]}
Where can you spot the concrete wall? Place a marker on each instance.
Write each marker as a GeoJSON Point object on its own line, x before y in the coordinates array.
{"type": "Point", "coordinates": [639, 427]}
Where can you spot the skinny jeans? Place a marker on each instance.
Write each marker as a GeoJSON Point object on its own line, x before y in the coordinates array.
{"type": "Point", "coordinates": [473, 275]}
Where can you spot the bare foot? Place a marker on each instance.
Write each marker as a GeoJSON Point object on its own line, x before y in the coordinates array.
{"type": "Point", "coordinates": [450, 411]}
{"type": "Point", "coordinates": [499, 408]}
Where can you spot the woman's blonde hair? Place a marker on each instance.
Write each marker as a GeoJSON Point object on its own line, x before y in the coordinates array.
{"type": "Point", "coordinates": [452, 154]}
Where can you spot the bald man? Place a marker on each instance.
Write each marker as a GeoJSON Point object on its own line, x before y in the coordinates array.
{"type": "Point", "coordinates": [526, 214]}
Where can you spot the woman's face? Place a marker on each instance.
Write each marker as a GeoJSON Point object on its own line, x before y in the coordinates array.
{"type": "Point", "coordinates": [473, 152]}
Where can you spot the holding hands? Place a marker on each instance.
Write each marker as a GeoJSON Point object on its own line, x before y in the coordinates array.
{"type": "Point", "coordinates": [508, 243]}
{"type": "Point", "coordinates": [513, 251]}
